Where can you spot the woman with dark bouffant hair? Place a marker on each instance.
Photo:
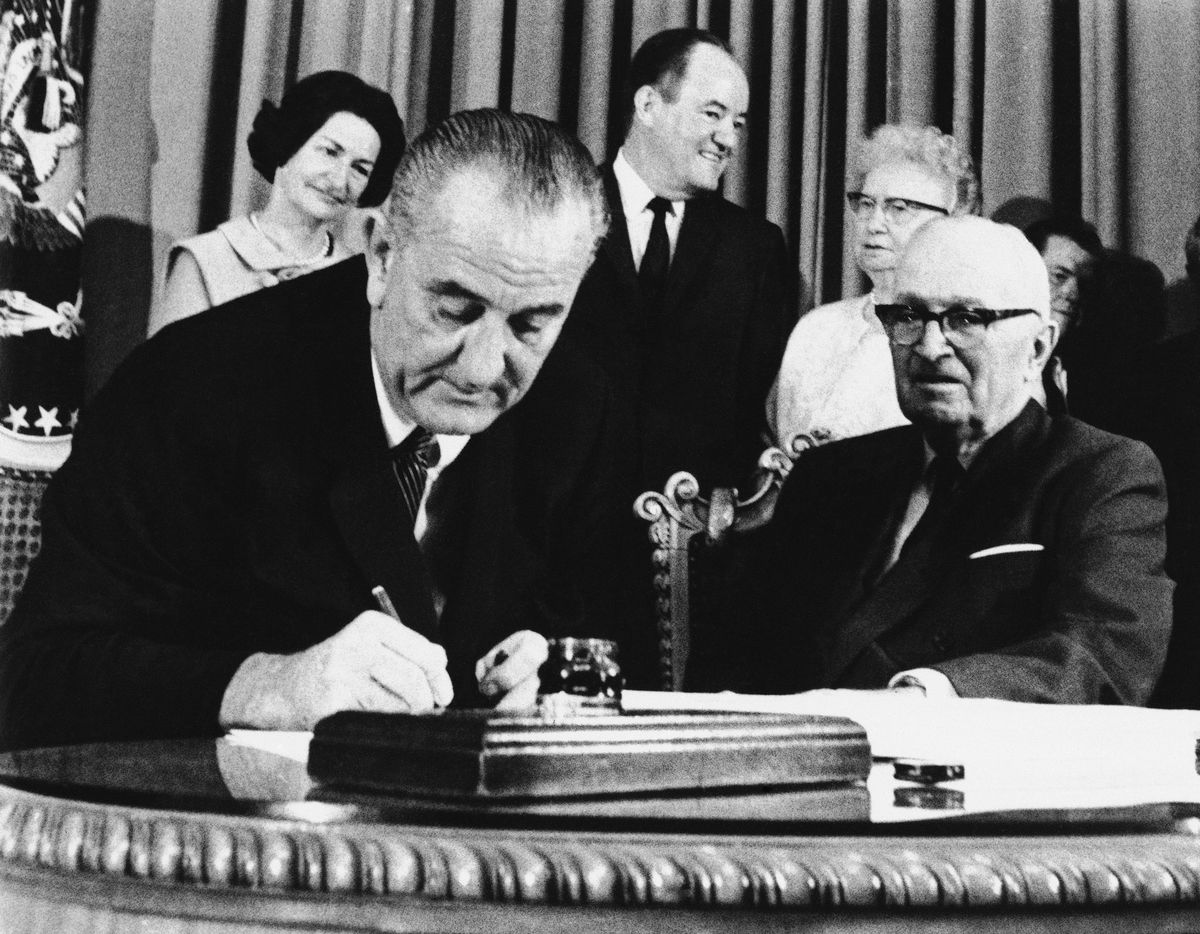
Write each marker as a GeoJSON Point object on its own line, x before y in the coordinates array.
{"type": "Point", "coordinates": [331, 145]}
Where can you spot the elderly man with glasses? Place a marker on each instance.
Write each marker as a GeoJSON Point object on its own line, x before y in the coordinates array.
{"type": "Point", "coordinates": [987, 550]}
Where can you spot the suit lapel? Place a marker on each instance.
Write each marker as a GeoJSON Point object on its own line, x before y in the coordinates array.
{"type": "Point", "coordinates": [364, 502]}
{"type": "Point", "coordinates": [880, 486]}
{"type": "Point", "coordinates": [698, 236]}
{"type": "Point", "coordinates": [992, 492]}
{"type": "Point", "coordinates": [904, 588]}
{"type": "Point", "coordinates": [880, 483]}
{"type": "Point", "coordinates": [997, 486]}
{"type": "Point", "coordinates": [364, 498]}
{"type": "Point", "coordinates": [616, 246]}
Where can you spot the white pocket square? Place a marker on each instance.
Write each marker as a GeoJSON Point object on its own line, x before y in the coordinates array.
{"type": "Point", "coordinates": [1007, 549]}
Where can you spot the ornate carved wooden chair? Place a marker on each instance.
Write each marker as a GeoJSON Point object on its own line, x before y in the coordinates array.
{"type": "Point", "coordinates": [686, 530]}
{"type": "Point", "coordinates": [20, 528]}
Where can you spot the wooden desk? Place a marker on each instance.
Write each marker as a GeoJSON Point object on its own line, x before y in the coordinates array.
{"type": "Point", "coordinates": [204, 836]}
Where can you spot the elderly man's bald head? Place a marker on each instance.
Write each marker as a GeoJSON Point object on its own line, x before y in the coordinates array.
{"type": "Point", "coordinates": [994, 258]}
{"type": "Point", "coordinates": [967, 376]}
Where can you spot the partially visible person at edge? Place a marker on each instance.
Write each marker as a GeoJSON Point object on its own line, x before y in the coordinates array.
{"type": "Point", "coordinates": [331, 146]}
{"type": "Point", "coordinates": [249, 476]}
{"type": "Point", "coordinates": [836, 378]}
{"type": "Point", "coordinates": [1169, 420]}
{"type": "Point", "coordinates": [1111, 308]}
{"type": "Point", "coordinates": [1071, 249]}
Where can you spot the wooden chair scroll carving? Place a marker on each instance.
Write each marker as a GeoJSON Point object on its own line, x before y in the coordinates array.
{"type": "Point", "coordinates": [681, 522]}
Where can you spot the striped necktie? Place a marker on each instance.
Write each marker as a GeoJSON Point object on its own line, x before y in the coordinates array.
{"type": "Point", "coordinates": [411, 460]}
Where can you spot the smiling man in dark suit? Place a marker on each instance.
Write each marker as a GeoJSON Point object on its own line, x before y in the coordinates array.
{"type": "Point", "coordinates": [212, 544]}
{"type": "Point", "coordinates": [987, 550]}
{"type": "Point", "coordinates": [690, 300]}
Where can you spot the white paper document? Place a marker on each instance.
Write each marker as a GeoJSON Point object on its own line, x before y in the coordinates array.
{"type": "Point", "coordinates": [1015, 755]}
{"type": "Point", "coordinates": [291, 744]}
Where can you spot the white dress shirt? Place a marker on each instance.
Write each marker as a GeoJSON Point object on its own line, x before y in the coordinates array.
{"type": "Point", "coordinates": [635, 196]}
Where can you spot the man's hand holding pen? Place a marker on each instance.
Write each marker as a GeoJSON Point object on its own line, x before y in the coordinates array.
{"type": "Point", "coordinates": [373, 663]}
{"type": "Point", "coordinates": [508, 674]}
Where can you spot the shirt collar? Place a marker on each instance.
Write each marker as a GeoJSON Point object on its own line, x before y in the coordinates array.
{"type": "Point", "coordinates": [635, 193]}
{"type": "Point", "coordinates": [397, 429]}
{"type": "Point", "coordinates": [868, 311]}
{"type": "Point", "coordinates": [964, 460]}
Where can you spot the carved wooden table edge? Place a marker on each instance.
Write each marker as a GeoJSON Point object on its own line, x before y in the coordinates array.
{"type": "Point", "coordinates": [556, 868]}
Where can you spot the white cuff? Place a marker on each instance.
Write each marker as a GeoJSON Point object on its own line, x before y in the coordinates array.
{"type": "Point", "coordinates": [930, 680]}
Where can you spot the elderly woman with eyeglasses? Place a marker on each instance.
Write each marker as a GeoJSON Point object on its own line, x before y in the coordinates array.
{"type": "Point", "coordinates": [836, 379]}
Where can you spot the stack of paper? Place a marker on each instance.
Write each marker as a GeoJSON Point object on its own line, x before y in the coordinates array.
{"type": "Point", "coordinates": [1015, 755]}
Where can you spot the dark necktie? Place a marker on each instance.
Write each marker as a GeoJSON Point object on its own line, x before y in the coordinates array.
{"type": "Point", "coordinates": [946, 473]}
{"type": "Point", "coordinates": [411, 460]}
{"type": "Point", "coordinates": [652, 275]}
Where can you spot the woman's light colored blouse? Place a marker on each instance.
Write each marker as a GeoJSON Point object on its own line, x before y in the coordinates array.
{"type": "Point", "coordinates": [836, 379]}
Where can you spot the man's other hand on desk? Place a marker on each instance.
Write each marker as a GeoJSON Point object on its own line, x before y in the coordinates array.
{"type": "Point", "coordinates": [508, 674]}
{"type": "Point", "coordinates": [374, 663]}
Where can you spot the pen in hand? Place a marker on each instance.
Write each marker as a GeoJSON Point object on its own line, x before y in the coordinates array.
{"type": "Point", "coordinates": [442, 694]}
{"type": "Point", "coordinates": [384, 602]}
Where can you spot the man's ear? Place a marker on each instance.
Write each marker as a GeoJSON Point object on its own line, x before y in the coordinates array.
{"type": "Point", "coordinates": [379, 254]}
{"type": "Point", "coordinates": [644, 99]}
{"type": "Point", "coordinates": [1044, 343]}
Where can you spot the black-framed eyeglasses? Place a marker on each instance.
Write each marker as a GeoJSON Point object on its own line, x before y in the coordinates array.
{"type": "Point", "coordinates": [961, 326]}
{"type": "Point", "coordinates": [897, 211]}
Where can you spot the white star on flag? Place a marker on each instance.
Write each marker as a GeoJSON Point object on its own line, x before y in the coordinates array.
{"type": "Point", "coordinates": [16, 417]}
{"type": "Point", "coordinates": [48, 420]}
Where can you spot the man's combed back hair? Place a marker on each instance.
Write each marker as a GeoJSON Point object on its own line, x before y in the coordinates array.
{"type": "Point", "coordinates": [540, 166]}
{"type": "Point", "coordinates": [924, 146]}
{"type": "Point", "coordinates": [1073, 228]}
{"type": "Point", "coordinates": [662, 61]}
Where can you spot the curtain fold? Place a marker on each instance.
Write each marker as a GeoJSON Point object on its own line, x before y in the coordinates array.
{"type": "Point", "coordinates": [963, 120]}
{"type": "Point", "coordinates": [1091, 103]}
{"type": "Point", "coordinates": [1017, 116]}
{"type": "Point", "coordinates": [858, 122]}
{"type": "Point", "coordinates": [537, 54]}
{"type": "Point", "coordinates": [1102, 60]}
{"type": "Point", "coordinates": [810, 232]}
{"type": "Point", "coordinates": [478, 29]}
{"type": "Point", "coordinates": [912, 47]}
{"type": "Point", "coordinates": [779, 121]}
{"type": "Point", "coordinates": [1162, 133]}
{"type": "Point", "coordinates": [263, 65]}
{"type": "Point", "coordinates": [595, 77]}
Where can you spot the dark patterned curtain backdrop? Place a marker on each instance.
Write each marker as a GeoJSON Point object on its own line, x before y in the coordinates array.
{"type": "Point", "coordinates": [1093, 104]}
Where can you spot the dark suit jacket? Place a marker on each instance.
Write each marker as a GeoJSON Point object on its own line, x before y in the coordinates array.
{"type": "Point", "coordinates": [230, 492]}
{"type": "Point", "coordinates": [1168, 420]}
{"type": "Point", "coordinates": [1083, 620]}
{"type": "Point", "coordinates": [695, 380]}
